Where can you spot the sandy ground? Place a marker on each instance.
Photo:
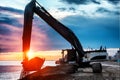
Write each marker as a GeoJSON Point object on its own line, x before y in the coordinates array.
{"type": "Point", "coordinates": [63, 73]}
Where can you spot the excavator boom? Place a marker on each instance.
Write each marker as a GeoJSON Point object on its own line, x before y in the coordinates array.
{"type": "Point", "coordinates": [65, 32]}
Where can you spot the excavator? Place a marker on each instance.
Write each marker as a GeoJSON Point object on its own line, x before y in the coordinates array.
{"type": "Point", "coordinates": [74, 55]}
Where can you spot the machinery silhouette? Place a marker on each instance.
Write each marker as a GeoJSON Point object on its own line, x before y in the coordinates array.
{"type": "Point", "coordinates": [74, 55]}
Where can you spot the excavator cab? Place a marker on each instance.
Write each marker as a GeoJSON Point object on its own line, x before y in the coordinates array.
{"type": "Point", "coordinates": [68, 56]}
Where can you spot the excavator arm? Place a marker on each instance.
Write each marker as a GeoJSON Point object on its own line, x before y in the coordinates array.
{"type": "Point", "coordinates": [27, 28]}
{"type": "Point", "coordinates": [65, 32]}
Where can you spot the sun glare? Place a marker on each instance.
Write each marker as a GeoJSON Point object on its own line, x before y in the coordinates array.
{"type": "Point", "coordinates": [30, 54]}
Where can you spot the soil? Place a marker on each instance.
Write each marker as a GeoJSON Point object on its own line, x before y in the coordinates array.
{"type": "Point", "coordinates": [68, 72]}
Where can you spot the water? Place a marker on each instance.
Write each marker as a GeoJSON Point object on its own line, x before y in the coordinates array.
{"type": "Point", "coordinates": [10, 70]}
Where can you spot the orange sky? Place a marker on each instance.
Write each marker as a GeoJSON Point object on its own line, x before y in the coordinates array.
{"type": "Point", "coordinates": [48, 55]}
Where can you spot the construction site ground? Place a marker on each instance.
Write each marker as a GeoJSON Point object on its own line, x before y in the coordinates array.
{"type": "Point", "coordinates": [111, 71]}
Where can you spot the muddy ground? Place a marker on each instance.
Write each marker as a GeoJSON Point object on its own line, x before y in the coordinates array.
{"type": "Point", "coordinates": [63, 73]}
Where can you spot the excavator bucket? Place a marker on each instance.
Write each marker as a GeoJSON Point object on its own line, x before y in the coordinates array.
{"type": "Point", "coordinates": [34, 64]}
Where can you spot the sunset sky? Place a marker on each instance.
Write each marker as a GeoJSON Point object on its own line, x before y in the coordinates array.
{"type": "Point", "coordinates": [48, 55]}
{"type": "Point", "coordinates": [95, 23]}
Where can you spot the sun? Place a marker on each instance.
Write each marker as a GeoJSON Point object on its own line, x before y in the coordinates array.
{"type": "Point", "coordinates": [30, 54]}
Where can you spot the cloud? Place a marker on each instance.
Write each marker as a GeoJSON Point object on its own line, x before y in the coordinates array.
{"type": "Point", "coordinates": [4, 30]}
{"type": "Point", "coordinates": [9, 9]}
{"type": "Point", "coordinates": [10, 41]}
{"type": "Point", "coordinates": [96, 1]}
{"type": "Point", "coordinates": [103, 10]}
{"type": "Point", "coordinates": [11, 22]}
{"type": "Point", "coordinates": [95, 32]}
{"type": "Point", "coordinates": [79, 2]}
{"type": "Point", "coordinates": [93, 8]}
{"type": "Point", "coordinates": [11, 32]}
{"type": "Point", "coordinates": [62, 9]}
{"type": "Point", "coordinates": [70, 9]}
{"type": "Point", "coordinates": [10, 29]}
{"type": "Point", "coordinates": [89, 30]}
{"type": "Point", "coordinates": [75, 1]}
{"type": "Point", "coordinates": [114, 1]}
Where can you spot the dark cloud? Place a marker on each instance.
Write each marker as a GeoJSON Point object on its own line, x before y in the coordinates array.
{"type": "Point", "coordinates": [95, 1]}
{"type": "Point", "coordinates": [6, 18]}
{"type": "Point", "coordinates": [4, 30]}
{"type": "Point", "coordinates": [77, 2]}
{"type": "Point", "coordinates": [67, 9]}
{"type": "Point", "coordinates": [11, 10]}
{"type": "Point", "coordinates": [10, 27]}
{"type": "Point", "coordinates": [103, 10]}
{"type": "Point", "coordinates": [9, 48]}
{"type": "Point", "coordinates": [4, 49]}
{"type": "Point", "coordinates": [114, 1]}
{"type": "Point", "coordinates": [62, 9]}
{"type": "Point", "coordinates": [10, 21]}
{"type": "Point", "coordinates": [72, 9]}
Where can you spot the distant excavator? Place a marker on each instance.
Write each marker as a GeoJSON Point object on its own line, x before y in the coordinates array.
{"type": "Point", "coordinates": [74, 55]}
